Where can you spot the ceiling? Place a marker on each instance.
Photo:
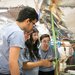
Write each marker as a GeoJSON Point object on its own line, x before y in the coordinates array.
{"type": "Point", "coordinates": [13, 3]}
{"type": "Point", "coordinates": [68, 8]}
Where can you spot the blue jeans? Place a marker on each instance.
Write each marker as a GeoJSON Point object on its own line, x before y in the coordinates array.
{"type": "Point", "coordinates": [46, 73]}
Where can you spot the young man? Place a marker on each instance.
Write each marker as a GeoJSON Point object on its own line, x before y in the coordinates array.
{"type": "Point", "coordinates": [46, 53]}
{"type": "Point", "coordinates": [12, 40]}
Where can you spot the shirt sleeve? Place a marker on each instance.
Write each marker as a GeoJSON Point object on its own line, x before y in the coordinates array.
{"type": "Point", "coordinates": [17, 39]}
{"type": "Point", "coordinates": [24, 56]}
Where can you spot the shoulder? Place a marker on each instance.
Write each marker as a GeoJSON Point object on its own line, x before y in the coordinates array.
{"type": "Point", "coordinates": [11, 27]}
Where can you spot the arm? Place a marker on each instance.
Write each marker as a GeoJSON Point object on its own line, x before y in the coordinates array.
{"type": "Point", "coordinates": [30, 65]}
{"type": "Point", "coordinates": [13, 60]}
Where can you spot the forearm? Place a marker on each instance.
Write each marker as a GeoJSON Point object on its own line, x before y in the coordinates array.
{"type": "Point", "coordinates": [30, 65]}
{"type": "Point", "coordinates": [14, 68]}
{"type": "Point", "coordinates": [13, 60]}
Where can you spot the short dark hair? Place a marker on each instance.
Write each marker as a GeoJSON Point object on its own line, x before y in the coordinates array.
{"type": "Point", "coordinates": [27, 12]}
{"type": "Point", "coordinates": [44, 36]}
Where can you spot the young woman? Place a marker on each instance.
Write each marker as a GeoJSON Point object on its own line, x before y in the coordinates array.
{"type": "Point", "coordinates": [30, 57]}
{"type": "Point", "coordinates": [32, 44]}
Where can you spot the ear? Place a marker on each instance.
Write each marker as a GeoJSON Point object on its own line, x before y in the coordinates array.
{"type": "Point", "coordinates": [27, 20]}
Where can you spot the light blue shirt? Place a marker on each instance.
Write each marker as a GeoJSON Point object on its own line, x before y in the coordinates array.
{"type": "Point", "coordinates": [46, 55]}
{"type": "Point", "coordinates": [25, 57]}
{"type": "Point", "coordinates": [10, 35]}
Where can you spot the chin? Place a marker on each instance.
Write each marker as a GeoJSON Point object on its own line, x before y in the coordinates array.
{"type": "Point", "coordinates": [46, 49]}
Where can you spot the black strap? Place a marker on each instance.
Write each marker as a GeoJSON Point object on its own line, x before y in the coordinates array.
{"type": "Point", "coordinates": [4, 74]}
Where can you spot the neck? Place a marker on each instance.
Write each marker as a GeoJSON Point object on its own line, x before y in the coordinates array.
{"type": "Point", "coordinates": [20, 24]}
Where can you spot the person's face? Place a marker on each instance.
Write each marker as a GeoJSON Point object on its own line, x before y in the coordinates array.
{"type": "Point", "coordinates": [28, 25]}
{"type": "Point", "coordinates": [27, 36]}
{"type": "Point", "coordinates": [35, 36]}
{"type": "Point", "coordinates": [73, 45]}
{"type": "Point", "coordinates": [45, 43]}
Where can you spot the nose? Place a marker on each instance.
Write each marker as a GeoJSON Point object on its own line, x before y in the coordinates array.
{"type": "Point", "coordinates": [37, 37]}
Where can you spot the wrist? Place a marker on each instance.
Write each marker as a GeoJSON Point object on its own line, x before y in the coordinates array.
{"type": "Point", "coordinates": [40, 63]}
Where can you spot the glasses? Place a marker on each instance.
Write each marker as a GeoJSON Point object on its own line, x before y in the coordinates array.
{"type": "Point", "coordinates": [45, 42]}
{"type": "Point", "coordinates": [33, 23]}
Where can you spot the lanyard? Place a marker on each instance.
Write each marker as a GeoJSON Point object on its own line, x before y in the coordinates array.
{"type": "Point", "coordinates": [46, 55]}
{"type": "Point", "coordinates": [41, 52]}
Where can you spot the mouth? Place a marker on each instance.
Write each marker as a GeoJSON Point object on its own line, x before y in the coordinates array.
{"type": "Point", "coordinates": [46, 47]}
